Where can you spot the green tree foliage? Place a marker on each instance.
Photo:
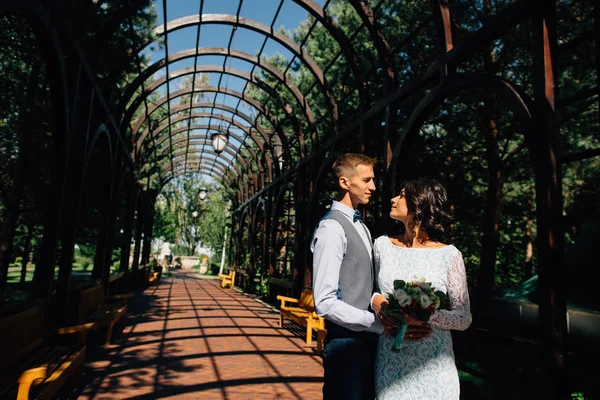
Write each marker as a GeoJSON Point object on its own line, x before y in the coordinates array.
{"type": "Point", "coordinates": [182, 218]}
{"type": "Point", "coordinates": [472, 142]}
{"type": "Point", "coordinates": [25, 141]}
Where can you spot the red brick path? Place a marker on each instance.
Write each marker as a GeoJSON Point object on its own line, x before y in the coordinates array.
{"type": "Point", "coordinates": [188, 338]}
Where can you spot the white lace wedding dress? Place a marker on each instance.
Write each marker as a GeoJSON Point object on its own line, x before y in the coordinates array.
{"type": "Point", "coordinates": [424, 369]}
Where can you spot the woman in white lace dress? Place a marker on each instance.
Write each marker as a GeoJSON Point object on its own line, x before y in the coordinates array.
{"type": "Point", "coordinates": [424, 367]}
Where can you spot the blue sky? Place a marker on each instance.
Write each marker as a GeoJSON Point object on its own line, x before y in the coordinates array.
{"type": "Point", "coordinates": [245, 40]}
{"type": "Point", "coordinates": [263, 11]}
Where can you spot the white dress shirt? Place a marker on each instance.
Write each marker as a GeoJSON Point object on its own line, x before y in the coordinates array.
{"type": "Point", "coordinates": [329, 246]}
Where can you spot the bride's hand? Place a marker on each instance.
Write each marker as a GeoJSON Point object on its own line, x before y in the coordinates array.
{"type": "Point", "coordinates": [417, 332]}
{"type": "Point", "coordinates": [410, 321]}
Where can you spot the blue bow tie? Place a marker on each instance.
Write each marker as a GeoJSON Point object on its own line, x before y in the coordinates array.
{"type": "Point", "coordinates": [357, 216]}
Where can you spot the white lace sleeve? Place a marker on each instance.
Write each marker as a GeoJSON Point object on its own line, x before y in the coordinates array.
{"type": "Point", "coordinates": [459, 315]}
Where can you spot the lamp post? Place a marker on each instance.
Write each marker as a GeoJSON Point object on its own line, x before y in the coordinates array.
{"type": "Point", "coordinates": [225, 237]}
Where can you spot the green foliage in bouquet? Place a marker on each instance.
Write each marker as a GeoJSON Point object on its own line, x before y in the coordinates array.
{"type": "Point", "coordinates": [417, 299]}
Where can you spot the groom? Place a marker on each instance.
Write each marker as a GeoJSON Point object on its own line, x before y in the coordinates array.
{"type": "Point", "coordinates": [343, 280]}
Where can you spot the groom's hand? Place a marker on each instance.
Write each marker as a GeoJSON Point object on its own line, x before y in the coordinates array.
{"type": "Point", "coordinates": [379, 305]}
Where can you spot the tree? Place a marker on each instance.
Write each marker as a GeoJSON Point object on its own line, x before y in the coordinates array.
{"type": "Point", "coordinates": [185, 220]}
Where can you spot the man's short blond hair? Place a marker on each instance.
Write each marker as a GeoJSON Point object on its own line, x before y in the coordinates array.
{"type": "Point", "coordinates": [346, 164]}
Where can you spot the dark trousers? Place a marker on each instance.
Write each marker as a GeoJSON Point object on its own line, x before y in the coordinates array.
{"type": "Point", "coordinates": [349, 361]}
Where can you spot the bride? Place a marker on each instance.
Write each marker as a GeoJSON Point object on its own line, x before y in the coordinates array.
{"type": "Point", "coordinates": [424, 367]}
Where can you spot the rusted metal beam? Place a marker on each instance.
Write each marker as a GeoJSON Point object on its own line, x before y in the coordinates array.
{"type": "Point", "coordinates": [551, 267]}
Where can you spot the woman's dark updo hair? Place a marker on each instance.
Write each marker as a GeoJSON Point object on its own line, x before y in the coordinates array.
{"type": "Point", "coordinates": [427, 200]}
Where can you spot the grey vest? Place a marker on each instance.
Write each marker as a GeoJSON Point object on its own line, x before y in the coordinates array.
{"type": "Point", "coordinates": [356, 273]}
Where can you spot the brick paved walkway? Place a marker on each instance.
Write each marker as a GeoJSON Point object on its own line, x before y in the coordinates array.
{"type": "Point", "coordinates": [189, 338]}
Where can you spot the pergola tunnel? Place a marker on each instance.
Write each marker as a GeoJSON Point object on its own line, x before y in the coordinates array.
{"type": "Point", "coordinates": [145, 135]}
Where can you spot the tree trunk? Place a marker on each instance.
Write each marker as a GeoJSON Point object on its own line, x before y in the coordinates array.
{"type": "Point", "coordinates": [26, 253]}
{"type": "Point", "coordinates": [13, 207]}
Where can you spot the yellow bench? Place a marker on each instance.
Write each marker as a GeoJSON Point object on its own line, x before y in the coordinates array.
{"type": "Point", "coordinates": [227, 279]}
{"type": "Point", "coordinates": [103, 310]}
{"type": "Point", "coordinates": [302, 312]}
{"type": "Point", "coordinates": [153, 279]}
{"type": "Point", "coordinates": [31, 366]}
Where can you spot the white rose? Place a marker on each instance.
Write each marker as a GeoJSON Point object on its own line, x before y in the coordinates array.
{"type": "Point", "coordinates": [425, 301]}
{"type": "Point", "coordinates": [402, 297]}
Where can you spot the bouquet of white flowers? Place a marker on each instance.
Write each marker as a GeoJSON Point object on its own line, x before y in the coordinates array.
{"type": "Point", "coordinates": [416, 299]}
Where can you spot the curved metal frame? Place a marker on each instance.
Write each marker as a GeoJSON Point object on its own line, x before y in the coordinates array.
{"type": "Point", "coordinates": [212, 51]}
{"type": "Point", "coordinates": [289, 44]}
{"type": "Point", "coordinates": [202, 89]}
{"type": "Point", "coordinates": [218, 107]}
{"type": "Point", "coordinates": [211, 89]}
{"type": "Point", "coordinates": [318, 13]}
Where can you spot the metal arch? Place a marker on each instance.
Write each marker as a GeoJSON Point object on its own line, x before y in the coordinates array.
{"type": "Point", "coordinates": [223, 168]}
{"type": "Point", "coordinates": [143, 135]}
{"type": "Point", "coordinates": [245, 165]}
{"type": "Point", "coordinates": [244, 225]}
{"type": "Point", "coordinates": [181, 171]}
{"type": "Point", "coordinates": [205, 141]}
{"type": "Point", "coordinates": [260, 210]}
{"type": "Point", "coordinates": [441, 11]}
{"type": "Point", "coordinates": [101, 131]}
{"type": "Point", "coordinates": [130, 91]}
{"type": "Point", "coordinates": [260, 28]}
{"type": "Point", "coordinates": [317, 183]}
{"type": "Point", "coordinates": [208, 127]}
{"type": "Point", "coordinates": [283, 189]}
{"type": "Point", "coordinates": [345, 45]}
{"type": "Point", "coordinates": [200, 165]}
{"type": "Point", "coordinates": [212, 51]}
{"type": "Point", "coordinates": [250, 150]}
{"type": "Point", "coordinates": [216, 165]}
{"type": "Point", "coordinates": [232, 111]}
{"type": "Point", "coordinates": [216, 162]}
{"type": "Point", "coordinates": [157, 136]}
{"type": "Point", "coordinates": [260, 203]}
{"type": "Point", "coordinates": [250, 79]}
{"type": "Point", "coordinates": [232, 151]}
{"type": "Point", "coordinates": [219, 107]}
{"type": "Point", "coordinates": [201, 89]}
{"type": "Point", "coordinates": [386, 58]}
{"type": "Point", "coordinates": [514, 99]}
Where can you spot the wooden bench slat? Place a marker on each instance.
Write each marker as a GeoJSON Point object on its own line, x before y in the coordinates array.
{"type": "Point", "coordinates": [70, 363]}
{"type": "Point", "coordinates": [94, 306]}
{"type": "Point", "coordinates": [228, 279]}
{"type": "Point", "coordinates": [37, 369]}
{"type": "Point", "coordinates": [303, 313]}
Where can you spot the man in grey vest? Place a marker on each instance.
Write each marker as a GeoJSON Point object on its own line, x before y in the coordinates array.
{"type": "Point", "coordinates": [343, 280]}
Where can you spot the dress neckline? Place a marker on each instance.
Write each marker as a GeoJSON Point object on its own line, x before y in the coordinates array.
{"type": "Point", "coordinates": [388, 239]}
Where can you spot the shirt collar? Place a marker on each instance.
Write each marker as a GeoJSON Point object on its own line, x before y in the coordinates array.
{"type": "Point", "coordinates": [344, 209]}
